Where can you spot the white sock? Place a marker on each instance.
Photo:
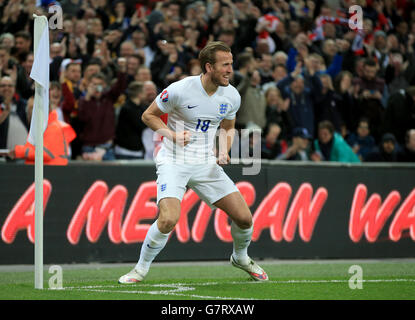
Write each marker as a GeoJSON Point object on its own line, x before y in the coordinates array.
{"type": "Point", "coordinates": [241, 241]}
{"type": "Point", "coordinates": [152, 245]}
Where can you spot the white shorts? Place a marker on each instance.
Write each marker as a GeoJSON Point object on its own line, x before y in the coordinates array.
{"type": "Point", "coordinates": [209, 181]}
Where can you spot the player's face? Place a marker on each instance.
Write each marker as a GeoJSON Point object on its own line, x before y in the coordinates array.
{"type": "Point", "coordinates": [222, 69]}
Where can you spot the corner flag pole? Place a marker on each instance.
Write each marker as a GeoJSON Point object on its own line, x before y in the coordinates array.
{"type": "Point", "coordinates": [40, 22]}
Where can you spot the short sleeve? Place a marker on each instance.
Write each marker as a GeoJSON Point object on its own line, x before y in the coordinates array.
{"type": "Point", "coordinates": [166, 99]}
{"type": "Point", "coordinates": [235, 107]}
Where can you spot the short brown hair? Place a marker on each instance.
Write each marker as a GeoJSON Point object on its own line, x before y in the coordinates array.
{"type": "Point", "coordinates": [100, 76]}
{"type": "Point", "coordinates": [208, 53]}
{"type": "Point", "coordinates": [134, 89]}
{"type": "Point", "coordinates": [55, 85]}
{"type": "Point", "coordinates": [326, 124]}
{"type": "Point", "coordinates": [23, 34]}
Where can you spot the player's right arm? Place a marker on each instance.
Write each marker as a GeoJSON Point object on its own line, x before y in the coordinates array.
{"type": "Point", "coordinates": [151, 117]}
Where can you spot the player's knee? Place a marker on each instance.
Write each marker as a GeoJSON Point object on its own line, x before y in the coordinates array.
{"type": "Point", "coordinates": [245, 222]}
{"type": "Point", "coordinates": [166, 224]}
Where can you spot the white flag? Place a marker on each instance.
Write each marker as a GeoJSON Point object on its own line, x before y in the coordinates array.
{"type": "Point", "coordinates": [40, 74]}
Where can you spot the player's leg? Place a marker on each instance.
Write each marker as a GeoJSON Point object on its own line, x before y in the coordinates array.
{"type": "Point", "coordinates": [159, 232]}
{"type": "Point", "coordinates": [241, 229]}
{"type": "Point", "coordinates": [155, 240]}
{"type": "Point", "coordinates": [214, 186]}
{"type": "Point", "coordinates": [236, 208]}
{"type": "Point", "coordinates": [171, 186]}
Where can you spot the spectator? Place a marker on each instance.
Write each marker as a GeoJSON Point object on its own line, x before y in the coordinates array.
{"type": "Point", "coordinates": [279, 72]}
{"type": "Point", "coordinates": [56, 140]}
{"type": "Point", "coordinates": [361, 141]}
{"type": "Point", "coordinates": [299, 149]}
{"type": "Point", "coordinates": [346, 102]}
{"type": "Point", "coordinates": [150, 92]}
{"type": "Point", "coordinates": [10, 67]}
{"type": "Point", "coordinates": [330, 145]}
{"type": "Point", "coordinates": [139, 39]}
{"type": "Point", "coordinates": [228, 36]}
{"type": "Point", "coordinates": [22, 45]}
{"type": "Point", "coordinates": [103, 55]}
{"type": "Point", "coordinates": [128, 138]}
{"type": "Point", "coordinates": [194, 67]}
{"type": "Point", "coordinates": [14, 122]}
{"type": "Point", "coordinates": [28, 82]}
{"type": "Point", "coordinates": [166, 64]}
{"type": "Point", "coordinates": [121, 22]}
{"type": "Point", "coordinates": [113, 40]}
{"type": "Point", "coordinates": [371, 92]}
{"type": "Point", "coordinates": [96, 28]}
{"type": "Point", "coordinates": [245, 65]}
{"type": "Point", "coordinates": [143, 74]}
{"type": "Point", "coordinates": [96, 112]}
{"type": "Point", "coordinates": [270, 145]}
{"type": "Point", "coordinates": [55, 100]}
{"type": "Point", "coordinates": [302, 98]}
{"type": "Point", "coordinates": [280, 58]}
{"type": "Point", "coordinates": [386, 152]}
{"type": "Point", "coordinates": [400, 114]}
{"type": "Point", "coordinates": [70, 6]}
{"type": "Point", "coordinates": [277, 112]}
{"type": "Point", "coordinates": [133, 63]}
{"type": "Point", "coordinates": [14, 17]}
{"type": "Point", "coordinates": [7, 39]}
{"type": "Point", "coordinates": [408, 153]}
{"type": "Point", "coordinates": [71, 92]}
{"type": "Point", "coordinates": [253, 103]}
{"type": "Point", "coordinates": [70, 80]}
{"type": "Point", "coordinates": [328, 106]}
{"type": "Point", "coordinates": [57, 54]}
{"type": "Point", "coordinates": [149, 138]}
{"type": "Point", "coordinates": [93, 67]}
{"type": "Point", "coordinates": [281, 38]}
{"type": "Point", "coordinates": [329, 51]}
{"type": "Point", "coordinates": [380, 51]}
{"type": "Point", "coordinates": [265, 68]}
{"type": "Point", "coordinates": [127, 49]}
{"type": "Point", "coordinates": [398, 73]}
{"type": "Point", "coordinates": [166, 36]}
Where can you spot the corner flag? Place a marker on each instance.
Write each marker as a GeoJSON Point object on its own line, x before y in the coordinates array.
{"type": "Point", "coordinates": [39, 122]}
{"type": "Point", "coordinates": [40, 74]}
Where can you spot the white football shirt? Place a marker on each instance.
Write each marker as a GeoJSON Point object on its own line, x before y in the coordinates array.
{"type": "Point", "coordinates": [190, 108]}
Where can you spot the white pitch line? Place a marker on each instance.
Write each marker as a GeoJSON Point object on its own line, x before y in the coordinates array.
{"type": "Point", "coordinates": [338, 281]}
{"type": "Point", "coordinates": [174, 292]}
{"type": "Point", "coordinates": [293, 281]}
{"type": "Point", "coordinates": [179, 288]}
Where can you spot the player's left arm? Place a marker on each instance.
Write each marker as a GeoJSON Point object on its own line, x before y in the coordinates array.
{"type": "Point", "coordinates": [226, 136]}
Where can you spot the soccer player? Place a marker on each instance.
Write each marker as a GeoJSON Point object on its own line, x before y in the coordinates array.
{"type": "Point", "coordinates": [196, 107]}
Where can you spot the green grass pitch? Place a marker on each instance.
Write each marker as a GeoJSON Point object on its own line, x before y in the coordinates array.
{"type": "Point", "coordinates": [309, 280]}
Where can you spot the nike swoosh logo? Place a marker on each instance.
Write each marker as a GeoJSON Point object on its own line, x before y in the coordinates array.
{"type": "Point", "coordinates": [191, 107]}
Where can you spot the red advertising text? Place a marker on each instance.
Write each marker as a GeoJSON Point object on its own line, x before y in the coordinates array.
{"type": "Point", "coordinates": [22, 215]}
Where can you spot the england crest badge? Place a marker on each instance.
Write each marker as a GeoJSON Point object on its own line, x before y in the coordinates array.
{"type": "Point", "coordinates": [223, 108]}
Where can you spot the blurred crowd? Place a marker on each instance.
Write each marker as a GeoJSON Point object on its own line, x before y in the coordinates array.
{"type": "Point", "coordinates": [319, 82]}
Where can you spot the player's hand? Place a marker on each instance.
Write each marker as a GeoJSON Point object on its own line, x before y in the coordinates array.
{"type": "Point", "coordinates": [181, 138]}
{"type": "Point", "coordinates": [223, 158]}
